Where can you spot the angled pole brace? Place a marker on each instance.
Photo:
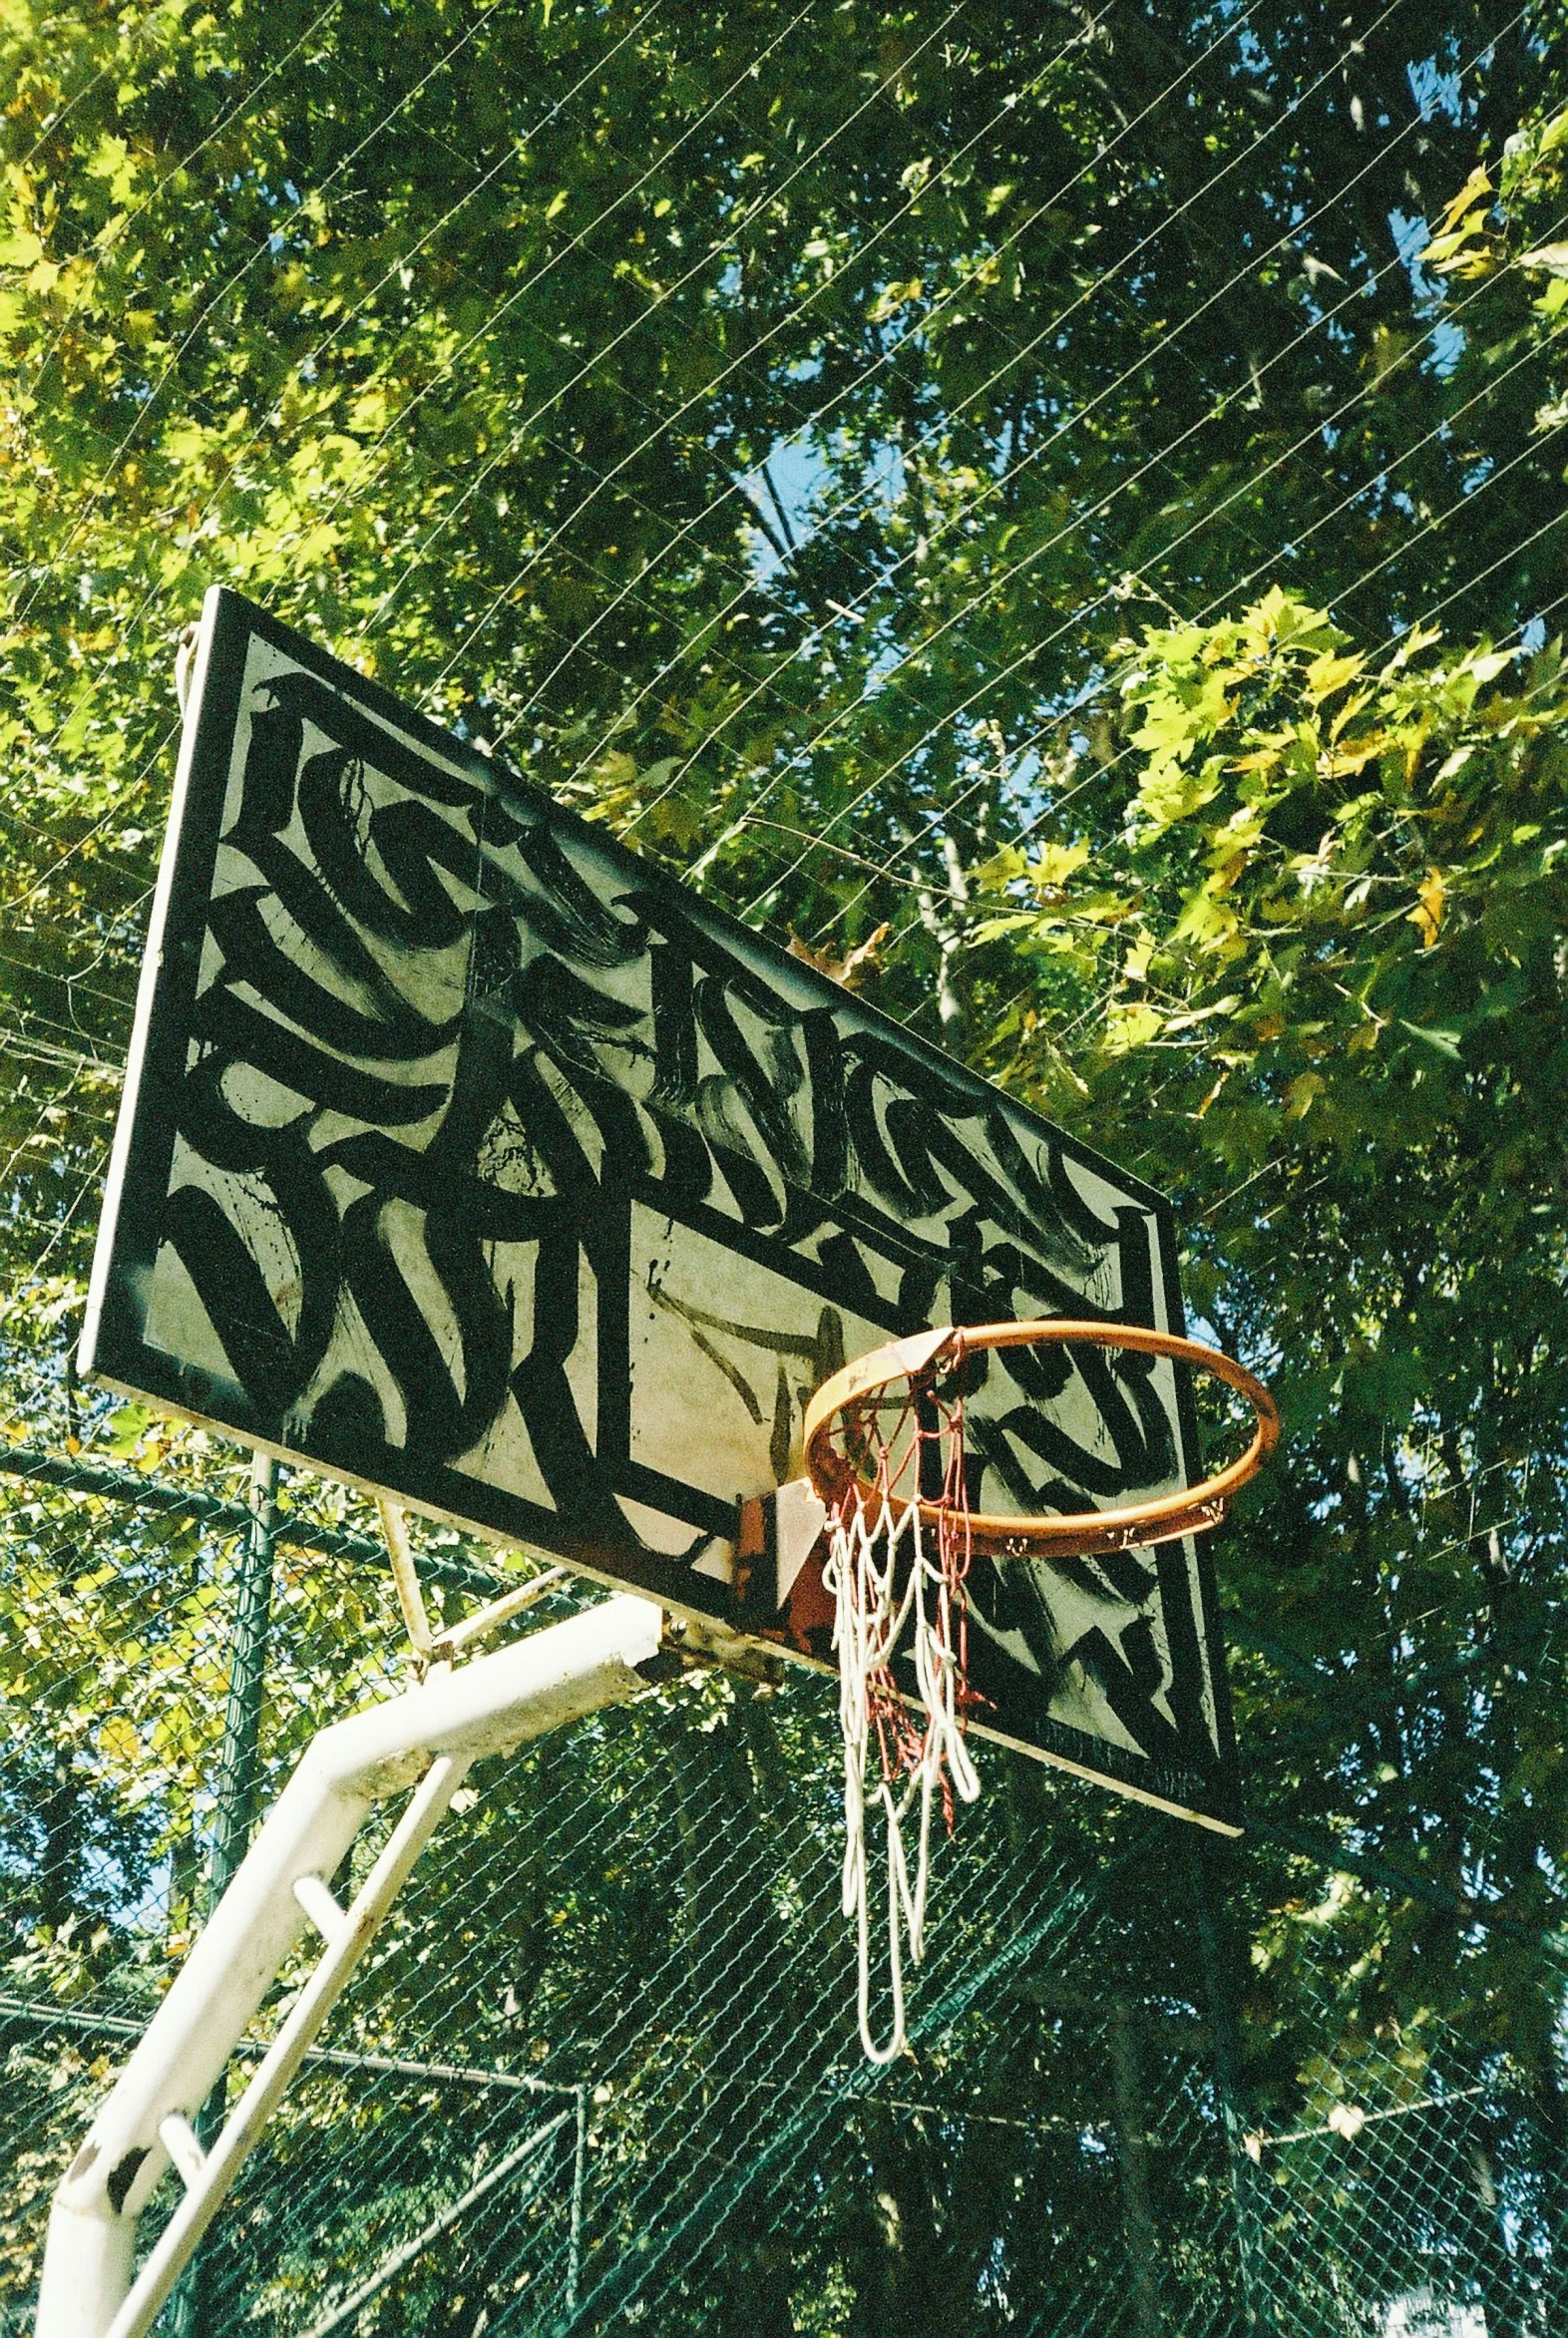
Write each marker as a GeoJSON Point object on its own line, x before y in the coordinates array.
{"type": "Point", "coordinates": [430, 1645]}
{"type": "Point", "coordinates": [424, 1741]}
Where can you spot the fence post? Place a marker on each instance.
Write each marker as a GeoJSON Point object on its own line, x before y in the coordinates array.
{"type": "Point", "coordinates": [1218, 1984]}
{"type": "Point", "coordinates": [238, 1769]}
{"type": "Point", "coordinates": [239, 1760]}
{"type": "Point", "coordinates": [1132, 2136]}
{"type": "Point", "coordinates": [578, 2184]}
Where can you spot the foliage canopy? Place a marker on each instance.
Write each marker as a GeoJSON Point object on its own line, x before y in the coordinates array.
{"type": "Point", "coordinates": [1057, 509]}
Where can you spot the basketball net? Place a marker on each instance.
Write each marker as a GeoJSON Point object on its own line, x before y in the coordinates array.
{"type": "Point", "coordinates": [887, 1582]}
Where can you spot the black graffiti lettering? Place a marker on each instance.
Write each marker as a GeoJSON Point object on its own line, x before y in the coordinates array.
{"type": "Point", "coordinates": [573, 1022]}
{"type": "Point", "coordinates": [625, 1156]}
{"type": "Point", "coordinates": [397, 1172]}
{"type": "Point", "coordinates": [992, 1455]}
{"type": "Point", "coordinates": [445, 1042]}
{"type": "Point", "coordinates": [340, 720]}
{"type": "Point", "coordinates": [266, 803]}
{"type": "Point", "coordinates": [299, 1205]}
{"type": "Point", "coordinates": [308, 901]}
{"type": "Point", "coordinates": [1073, 1208]}
{"type": "Point", "coordinates": [684, 1178]}
{"type": "Point", "coordinates": [674, 1027]}
{"type": "Point", "coordinates": [444, 1420]}
{"type": "Point", "coordinates": [551, 1133]}
{"type": "Point", "coordinates": [239, 1307]}
{"type": "Point", "coordinates": [766, 1088]}
{"type": "Point", "coordinates": [1127, 1672]}
{"type": "Point", "coordinates": [1135, 1266]}
{"type": "Point", "coordinates": [829, 1128]}
{"type": "Point", "coordinates": [873, 1155]}
{"type": "Point", "coordinates": [398, 1033]}
{"type": "Point", "coordinates": [484, 1317]}
{"type": "Point", "coordinates": [912, 1137]}
{"type": "Point", "coordinates": [1072, 1235]}
{"type": "Point", "coordinates": [1174, 1567]}
{"type": "Point", "coordinates": [760, 1202]}
{"type": "Point", "coordinates": [1040, 1225]}
{"type": "Point", "coordinates": [413, 844]}
{"type": "Point", "coordinates": [1146, 1452]}
{"type": "Point", "coordinates": [567, 1456]}
{"type": "Point", "coordinates": [410, 842]}
{"type": "Point", "coordinates": [851, 1273]}
{"type": "Point", "coordinates": [241, 1035]}
{"type": "Point", "coordinates": [569, 918]}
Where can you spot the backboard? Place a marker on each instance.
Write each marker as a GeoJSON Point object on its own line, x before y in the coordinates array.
{"type": "Point", "coordinates": [469, 1158]}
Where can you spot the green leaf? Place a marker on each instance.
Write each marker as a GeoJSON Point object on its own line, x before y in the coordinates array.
{"type": "Point", "coordinates": [1444, 1041]}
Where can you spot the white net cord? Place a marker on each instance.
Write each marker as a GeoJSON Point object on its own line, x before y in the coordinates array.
{"type": "Point", "coordinates": [868, 1551]}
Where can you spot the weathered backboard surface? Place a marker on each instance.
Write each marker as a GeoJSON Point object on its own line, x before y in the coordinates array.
{"type": "Point", "coordinates": [468, 1157]}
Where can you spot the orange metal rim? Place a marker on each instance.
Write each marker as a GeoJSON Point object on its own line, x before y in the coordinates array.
{"type": "Point", "coordinates": [1193, 1510]}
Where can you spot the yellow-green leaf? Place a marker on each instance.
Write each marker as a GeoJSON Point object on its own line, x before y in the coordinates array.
{"type": "Point", "coordinates": [1127, 1028]}
{"type": "Point", "coordinates": [1426, 916]}
{"type": "Point", "coordinates": [1053, 864]}
{"type": "Point", "coordinates": [117, 1739]}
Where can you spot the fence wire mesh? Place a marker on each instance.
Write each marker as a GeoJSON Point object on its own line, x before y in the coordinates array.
{"type": "Point", "coordinates": [600, 2069]}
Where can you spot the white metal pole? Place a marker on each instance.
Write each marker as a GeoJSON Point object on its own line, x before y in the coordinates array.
{"type": "Point", "coordinates": [487, 1707]}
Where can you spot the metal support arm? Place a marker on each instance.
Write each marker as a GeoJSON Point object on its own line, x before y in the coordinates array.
{"type": "Point", "coordinates": [425, 1739]}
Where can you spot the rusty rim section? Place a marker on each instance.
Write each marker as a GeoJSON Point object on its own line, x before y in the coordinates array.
{"type": "Point", "coordinates": [1084, 1533]}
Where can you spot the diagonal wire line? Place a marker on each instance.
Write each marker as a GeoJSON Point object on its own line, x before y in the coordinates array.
{"type": "Point", "coordinates": [1009, 574]}
{"type": "Point", "coordinates": [362, 481]}
{"type": "Point", "coordinates": [1127, 755]}
{"type": "Point", "coordinates": [147, 404]}
{"type": "Point", "coordinates": [768, 195]}
{"type": "Point", "coordinates": [632, 592]}
{"type": "Point", "coordinates": [530, 284]}
{"type": "Point", "coordinates": [90, 1184]}
{"type": "Point", "coordinates": [236, 112]}
{"type": "Point", "coordinates": [791, 316]}
{"type": "Point", "coordinates": [63, 113]}
{"type": "Point", "coordinates": [1020, 353]}
{"type": "Point", "coordinates": [885, 355]}
{"type": "Point", "coordinates": [1080, 174]}
{"type": "Point", "coordinates": [1430, 525]}
{"type": "Point", "coordinates": [1438, 431]}
{"type": "Point", "coordinates": [113, 866]}
{"type": "Point", "coordinates": [352, 314]}
{"type": "Point", "coordinates": [1028, 657]}
{"type": "Point", "coordinates": [1004, 241]}
{"type": "Point", "coordinates": [887, 869]}
{"type": "Point", "coordinates": [1398, 553]}
{"type": "Point", "coordinates": [1384, 564]}
{"type": "Point", "coordinates": [518, 294]}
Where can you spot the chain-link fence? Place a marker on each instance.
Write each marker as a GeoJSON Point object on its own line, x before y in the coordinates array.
{"type": "Point", "coordinates": [600, 2068]}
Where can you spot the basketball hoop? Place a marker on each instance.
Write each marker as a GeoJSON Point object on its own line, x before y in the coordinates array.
{"type": "Point", "coordinates": [889, 1470]}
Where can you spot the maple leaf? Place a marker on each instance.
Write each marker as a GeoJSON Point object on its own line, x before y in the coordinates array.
{"type": "Point", "coordinates": [849, 971]}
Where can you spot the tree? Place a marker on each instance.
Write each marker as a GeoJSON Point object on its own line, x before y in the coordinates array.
{"type": "Point", "coordinates": [1064, 488]}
